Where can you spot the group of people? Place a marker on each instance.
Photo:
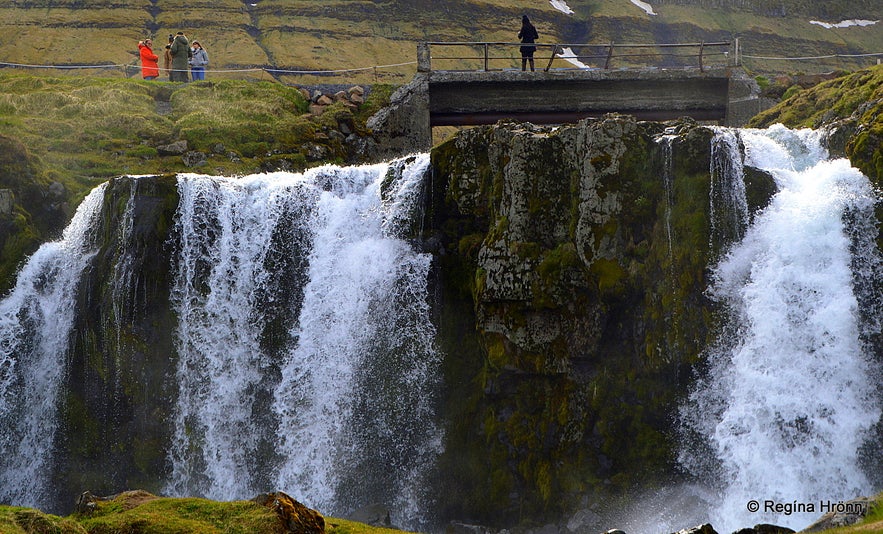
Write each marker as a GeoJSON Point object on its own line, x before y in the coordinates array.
{"type": "Point", "coordinates": [182, 59]}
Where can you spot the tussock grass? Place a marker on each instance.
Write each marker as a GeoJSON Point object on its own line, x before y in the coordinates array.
{"type": "Point", "coordinates": [86, 130]}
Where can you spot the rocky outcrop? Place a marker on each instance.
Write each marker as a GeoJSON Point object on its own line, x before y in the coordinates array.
{"type": "Point", "coordinates": [296, 518]}
{"type": "Point", "coordinates": [403, 127]}
{"type": "Point", "coordinates": [843, 514]}
{"type": "Point", "coordinates": [120, 385]}
{"type": "Point", "coordinates": [32, 207]}
{"type": "Point", "coordinates": [585, 276]}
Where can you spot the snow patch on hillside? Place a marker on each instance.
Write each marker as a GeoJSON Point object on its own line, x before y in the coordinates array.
{"type": "Point", "coordinates": [561, 6]}
{"type": "Point", "coordinates": [645, 6]}
{"type": "Point", "coordinates": [568, 55]}
{"type": "Point", "coordinates": [844, 23]}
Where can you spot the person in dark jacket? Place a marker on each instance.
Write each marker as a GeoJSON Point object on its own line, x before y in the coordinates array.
{"type": "Point", "coordinates": [181, 53]}
{"type": "Point", "coordinates": [528, 34]}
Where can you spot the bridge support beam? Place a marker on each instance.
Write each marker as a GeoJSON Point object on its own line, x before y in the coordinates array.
{"type": "Point", "coordinates": [725, 95]}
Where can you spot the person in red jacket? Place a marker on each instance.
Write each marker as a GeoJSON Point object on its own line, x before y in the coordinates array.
{"type": "Point", "coordinates": [149, 66]}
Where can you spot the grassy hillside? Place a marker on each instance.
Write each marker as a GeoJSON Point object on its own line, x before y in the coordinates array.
{"type": "Point", "coordinates": [61, 136]}
{"type": "Point", "coordinates": [853, 102]}
{"type": "Point", "coordinates": [243, 37]}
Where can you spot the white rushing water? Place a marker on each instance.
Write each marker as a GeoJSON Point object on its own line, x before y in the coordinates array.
{"type": "Point", "coordinates": [306, 357]}
{"type": "Point", "coordinates": [789, 396]}
{"type": "Point", "coordinates": [35, 327]}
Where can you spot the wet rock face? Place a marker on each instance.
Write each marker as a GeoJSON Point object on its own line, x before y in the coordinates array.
{"type": "Point", "coordinates": [586, 275]}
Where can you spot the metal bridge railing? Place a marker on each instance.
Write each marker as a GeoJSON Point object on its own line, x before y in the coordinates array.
{"type": "Point", "coordinates": [487, 56]}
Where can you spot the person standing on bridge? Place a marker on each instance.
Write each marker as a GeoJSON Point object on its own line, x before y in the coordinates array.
{"type": "Point", "coordinates": [528, 34]}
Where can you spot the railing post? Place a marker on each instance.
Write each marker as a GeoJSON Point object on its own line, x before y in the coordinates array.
{"type": "Point", "coordinates": [701, 47]}
{"type": "Point", "coordinates": [424, 60]}
{"type": "Point", "coordinates": [485, 57]}
{"type": "Point", "coordinates": [554, 51]}
{"type": "Point", "coordinates": [609, 56]}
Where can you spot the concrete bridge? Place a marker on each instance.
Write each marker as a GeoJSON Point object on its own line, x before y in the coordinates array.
{"type": "Point", "coordinates": [722, 94]}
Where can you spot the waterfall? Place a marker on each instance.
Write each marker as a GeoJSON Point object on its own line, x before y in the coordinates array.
{"type": "Point", "coordinates": [35, 326]}
{"type": "Point", "coordinates": [306, 358]}
{"type": "Point", "coordinates": [668, 185]}
{"type": "Point", "coordinates": [728, 209]}
{"type": "Point", "coordinates": [788, 398]}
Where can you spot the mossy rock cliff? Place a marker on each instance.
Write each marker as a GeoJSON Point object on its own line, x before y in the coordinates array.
{"type": "Point", "coordinates": [581, 252]}
{"type": "Point", "coordinates": [115, 411]}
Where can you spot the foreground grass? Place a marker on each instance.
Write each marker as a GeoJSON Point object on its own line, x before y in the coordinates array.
{"type": "Point", "coordinates": [146, 514]}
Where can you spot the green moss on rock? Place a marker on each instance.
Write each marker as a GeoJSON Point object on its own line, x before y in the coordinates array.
{"type": "Point", "coordinates": [587, 305]}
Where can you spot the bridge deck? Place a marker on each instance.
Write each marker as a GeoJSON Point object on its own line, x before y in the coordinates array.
{"type": "Point", "coordinates": [464, 98]}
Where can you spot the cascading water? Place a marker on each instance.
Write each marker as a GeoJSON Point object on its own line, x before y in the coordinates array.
{"type": "Point", "coordinates": [788, 398]}
{"type": "Point", "coordinates": [335, 403]}
{"type": "Point", "coordinates": [35, 326]}
{"type": "Point", "coordinates": [667, 179]}
{"type": "Point", "coordinates": [728, 208]}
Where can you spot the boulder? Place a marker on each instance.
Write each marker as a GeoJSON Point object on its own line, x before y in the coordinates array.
{"type": "Point", "coordinates": [194, 158]}
{"type": "Point", "coordinates": [699, 529]}
{"type": "Point", "coordinates": [376, 515]}
{"type": "Point", "coordinates": [766, 529]}
{"type": "Point", "coordinates": [173, 149]}
{"type": "Point", "coordinates": [842, 514]}
{"type": "Point", "coordinates": [296, 518]}
{"type": "Point", "coordinates": [458, 527]}
{"type": "Point", "coordinates": [57, 189]}
{"type": "Point", "coordinates": [86, 503]}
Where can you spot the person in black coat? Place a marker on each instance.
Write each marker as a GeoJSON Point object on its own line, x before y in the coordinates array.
{"type": "Point", "coordinates": [528, 34]}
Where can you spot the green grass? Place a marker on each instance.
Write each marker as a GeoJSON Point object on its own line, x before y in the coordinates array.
{"type": "Point", "coordinates": [835, 98]}
{"type": "Point", "coordinates": [140, 512]}
{"type": "Point", "coordinates": [91, 129]}
{"type": "Point", "coordinates": [17, 520]}
{"type": "Point", "coordinates": [80, 131]}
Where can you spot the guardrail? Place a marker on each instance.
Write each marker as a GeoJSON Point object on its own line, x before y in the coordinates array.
{"type": "Point", "coordinates": [488, 56]}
